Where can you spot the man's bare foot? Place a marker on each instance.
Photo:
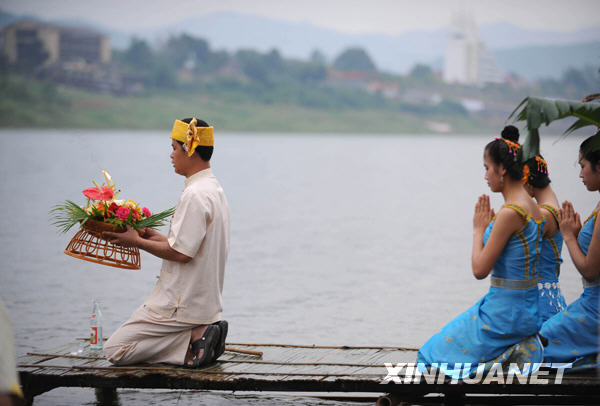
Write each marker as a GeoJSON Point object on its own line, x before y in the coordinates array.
{"type": "Point", "coordinates": [197, 332]}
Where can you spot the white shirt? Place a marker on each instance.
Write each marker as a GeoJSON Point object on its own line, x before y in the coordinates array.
{"type": "Point", "coordinates": [200, 230]}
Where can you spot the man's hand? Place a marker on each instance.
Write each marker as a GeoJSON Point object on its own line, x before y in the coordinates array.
{"type": "Point", "coordinates": [149, 240]}
{"type": "Point", "coordinates": [153, 235]}
{"type": "Point", "coordinates": [129, 238]}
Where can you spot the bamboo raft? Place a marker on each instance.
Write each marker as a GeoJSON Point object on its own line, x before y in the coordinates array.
{"type": "Point", "coordinates": [290, 368]}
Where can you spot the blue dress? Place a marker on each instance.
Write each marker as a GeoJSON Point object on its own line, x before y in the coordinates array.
{"type": "Point", "coordinates": [505, 316]}
{"type": "Point", "coordinates": [551, 300]}
{"type": "Point", "coordinates": [573, 333]}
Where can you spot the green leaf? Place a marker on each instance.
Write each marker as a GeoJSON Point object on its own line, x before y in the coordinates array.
{"type": "Point", "coordinates": [563, 107]}
{"type": "Point", "coordinates": [534, 117]}
{"type": "Point", "coordinates": [115, 221]}
{"type": "Point", "coordinates": [525, 100]}
{"type": "Point", "coordinates": [531, 146]}
{"type": "Point", "coordinates": [538, 110]}
{"type": "Point", "coordinates": [551, 112]}
{"type": "Point", "coordinates": [155, 220]}
{"type": "Point", "coordinates": [576, 126]}
{"type": "Point", "coordinates": [97, 213]}
{"type": "Point", "coordinates": [592, 117]}
{"type": "Point", "coordinates": [66, 215]}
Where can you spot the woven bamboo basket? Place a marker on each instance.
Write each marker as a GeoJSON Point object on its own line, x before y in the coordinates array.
{"type": "Point", "coordinates": [89, 244]}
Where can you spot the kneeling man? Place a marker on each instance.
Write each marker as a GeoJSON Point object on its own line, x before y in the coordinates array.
{"type": "Point", "coordinates": [180, 322]}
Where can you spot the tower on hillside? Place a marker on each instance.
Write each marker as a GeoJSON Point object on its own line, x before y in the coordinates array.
{"type": "Point", "coordinates": [467, 59]}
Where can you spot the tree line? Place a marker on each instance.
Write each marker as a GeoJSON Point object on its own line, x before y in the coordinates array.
{"type": "Point", "coordinates": [351, 80]}
{"type": "Point", "coordinates": [166, 66]}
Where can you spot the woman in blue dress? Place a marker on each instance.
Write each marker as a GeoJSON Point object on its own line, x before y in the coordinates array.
{"type": "Point", "coordinates": [507, 246]}
{"type": "Point", "coordinates": [537, 184]}
{"type": "Point", "coordinates": [573, 334]}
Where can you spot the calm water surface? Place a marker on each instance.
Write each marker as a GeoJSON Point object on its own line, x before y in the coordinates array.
{"type": "Point", "coordinates": [339, 240]}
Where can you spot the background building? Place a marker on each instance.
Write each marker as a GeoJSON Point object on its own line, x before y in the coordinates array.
{"type": "Point", "coordinates": [70, 55]}
{"type": "Point", "coordinates": [467, 60]}
{"type": "Point", "coordinates": [38, 45]}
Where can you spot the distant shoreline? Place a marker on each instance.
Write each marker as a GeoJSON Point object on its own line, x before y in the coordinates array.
{"type": "Point", "coordinates": [274, 133]}
{"type": "Point", "coordinates": [28, 103]}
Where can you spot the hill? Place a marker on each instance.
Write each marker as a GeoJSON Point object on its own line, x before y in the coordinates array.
{"type": "Point", "coordinates": [531, 54]}
{"type": "Point", "coordinates": [535, 62]}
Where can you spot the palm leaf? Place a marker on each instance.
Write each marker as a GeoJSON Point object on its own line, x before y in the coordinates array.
{"type": "Point", "coordinates": [155, 220]}
{"type": "Point", "coordinates": [538, 110]}
{"type": "Point", "coordinates": [66, 215]}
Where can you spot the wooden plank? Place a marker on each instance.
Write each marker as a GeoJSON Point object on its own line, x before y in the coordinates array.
{"type": "Point", "coordinates": [305, 372]}
{"type": "Point", "coordinates": [282, 367]}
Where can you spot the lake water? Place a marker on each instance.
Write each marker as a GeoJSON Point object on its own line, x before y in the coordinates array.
{"type": "Point", "coordinates": [339, 240]}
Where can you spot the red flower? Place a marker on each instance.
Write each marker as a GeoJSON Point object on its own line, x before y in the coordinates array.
{"type": "Point", "coordinates": [123, 213]}
{"type": "Point", "coordinates": [99, 193]}
{"type": "Point", "coordinates": [113, 207]}
{"type": "Point", "coordinates": [146, 212]}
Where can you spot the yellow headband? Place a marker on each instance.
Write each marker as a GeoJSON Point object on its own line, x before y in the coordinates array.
{"type": "Point", "coordinates": [192, 136]}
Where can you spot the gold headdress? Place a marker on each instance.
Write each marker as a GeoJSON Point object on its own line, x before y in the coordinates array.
{"type": "Point", "coordinates": [513, 147]}
{"type": "Point", "coordinates": [541, 168]}
{"type": "Point", "coordinates": [192, 136]}
{"type": "Point", "coordinates": [542, 165]}
{"type": "Point", "coordinates": [525, 177]}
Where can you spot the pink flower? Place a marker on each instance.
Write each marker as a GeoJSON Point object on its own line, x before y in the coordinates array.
{"type": "Point", "coordinates": [99, 193]}
{"type": "Point", "coordinates": [123, 213]}
{"type": "Point", "coordinates": [146, 212]}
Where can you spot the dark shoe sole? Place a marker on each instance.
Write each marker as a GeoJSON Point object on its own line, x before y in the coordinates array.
{"type": "Point", "coordinates": [209, 343]}
{"type": "Point", "coordinates": [223, 328]}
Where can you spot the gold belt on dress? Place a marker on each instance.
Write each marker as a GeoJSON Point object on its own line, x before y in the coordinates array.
{"type": "Point", "coordinates": [517, 284]}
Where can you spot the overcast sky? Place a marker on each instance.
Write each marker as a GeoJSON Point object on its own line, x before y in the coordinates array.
{"type": "Point", "coordinates": [350, 16]}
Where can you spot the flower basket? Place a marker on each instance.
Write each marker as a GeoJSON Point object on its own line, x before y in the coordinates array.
{"type": "Point", "coordinates": [104, 212]}
{"type": "Point", "coordinates": [89, 245]}
{"type": "Point", "coordinates": [96, 227]}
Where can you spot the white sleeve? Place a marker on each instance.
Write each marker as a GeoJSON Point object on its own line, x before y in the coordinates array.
{"type": "Point", "coordinates": [188, 225]}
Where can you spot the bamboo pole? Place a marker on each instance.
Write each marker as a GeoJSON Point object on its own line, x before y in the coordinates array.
{"type": "Point", "coordinates": [230, 349]}
{"type": "Point", "coordinates": [328, 347]}
{"type": "Point", "coordinates": [38, 354]}
{"type": "Point", "coordinates": [303, 364]}
{"type": "Point", "coordinates": [250, 352]}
